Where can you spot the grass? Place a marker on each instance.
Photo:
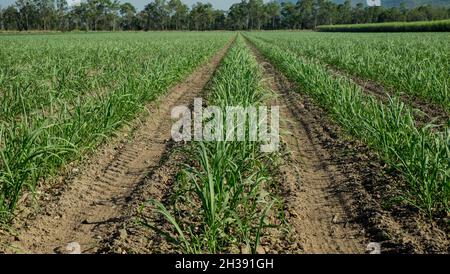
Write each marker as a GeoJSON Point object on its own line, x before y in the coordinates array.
{"type": "Point", "coordinates": [415, 64]}
{"type": "Point", "coordinates": [421, 155]}
{"type": "Point", "coordinates": [421, 26]}
{"type": "Point", "coordinates": [222, 199]}
{"type": "Point", "coordinates": [63, 95]}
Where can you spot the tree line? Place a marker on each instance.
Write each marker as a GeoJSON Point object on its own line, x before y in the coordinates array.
{"type": "Point", "coordinates": [112, 15]}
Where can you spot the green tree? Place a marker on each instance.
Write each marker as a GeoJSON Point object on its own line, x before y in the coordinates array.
{"type": "Point", "coordinates": [306, 13]}
{"type": "Point", "coordinates": [257, 14]}
{"type": "Point", "coordinates": [27, 14]}
{"type": "Point", "coordinates": [219, 20]}
{"type": "Point", "coordinates": [61, 10]}
{"type": "Point", "coordinates": [202, 16]}
{"type": "Point", "coordinates": [127, 13]}
{"type": "Point", "coordinates": [79, 17]}
{"type": "Point", "coordinates": [390, 15]}
{"type": "Point", "coordinates": [324, 13]}
{"type": "Point", "coordinates": [416, 15]}
{"type": "Point", "coordinates": [157, 15]}
{"type": "Point", "coordinates": [1, 19]}
{"type": "Point", "coordinates": [173, 14]}
{"type": "Point", "coordinates": [179, 14]}
{"type": "Point", "coordinates": [102, 14]}
{"type": "Point", "coordinates": [113, 9]}
{"type": "Point", "coordinates": [273, 10]}
{"type": "Point", "coordinates": [94, 11]}
{"type": "Point", "coordinates": [11, 18]}
{"type": "Point", "coordinates": [359, 15]}
{"type": "Point", "coordinates": [345, 12]}
{"type": "Point", "coordinates": [46, 13]}
{"type": "Point", "coordinates": [237, 18]}
{"type": "Point", "coordinates": [291, 15]}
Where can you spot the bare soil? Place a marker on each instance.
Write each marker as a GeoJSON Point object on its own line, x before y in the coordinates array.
{"type": "Point", "coordinates": [92, 207]}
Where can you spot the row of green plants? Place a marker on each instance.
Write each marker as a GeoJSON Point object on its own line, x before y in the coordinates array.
{"type": "Point", "coordinates": [416, 64]}
{"type": "Point", "coordinates": [222, 197]}
{"type": "Point", "coordinates": [420, 26]}
{"type": "Point", "coordinates": [53, 113]}
{"type": "Point", "coordinates": [40, 72]}
{"type": "Point", "coordinates": [420, 154]}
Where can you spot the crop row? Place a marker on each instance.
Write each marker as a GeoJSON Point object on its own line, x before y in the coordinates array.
{"type": "Point", "coordinates": [63, 96]}
{"type": "Point", "coordinates": [421, 155]}
{"type": "Point", "coordinates": [415, 64]}
{"type": "Point", "coordinates": [421, 26]}
{"type": "Point", "coordinates": [221, 200]}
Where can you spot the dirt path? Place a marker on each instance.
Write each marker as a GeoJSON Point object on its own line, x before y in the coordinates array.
{"type": "Point", "coordinates": [94, 204]}
{"type": "Point", "coordinates": [315, 209]}
{"type": "Point", "coordinates": [336, 189]}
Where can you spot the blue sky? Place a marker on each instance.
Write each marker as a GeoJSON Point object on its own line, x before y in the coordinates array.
{"type": "Point", "coordinates": [218, 4]}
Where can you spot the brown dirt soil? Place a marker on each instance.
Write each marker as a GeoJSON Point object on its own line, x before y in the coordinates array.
{"type": "Point", "coordinates": [132, 237]}
{"type": "Point", "coordinates": [338, 194]}
{"type": "Point", "coordinates": [92, 208]}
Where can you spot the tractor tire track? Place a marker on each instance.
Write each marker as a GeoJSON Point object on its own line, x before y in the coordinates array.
{"type": "Point", "coordinates": [318, 213]}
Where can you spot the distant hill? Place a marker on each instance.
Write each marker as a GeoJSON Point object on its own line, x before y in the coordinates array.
{"type": "Point", "coordinates": [391, 3]}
